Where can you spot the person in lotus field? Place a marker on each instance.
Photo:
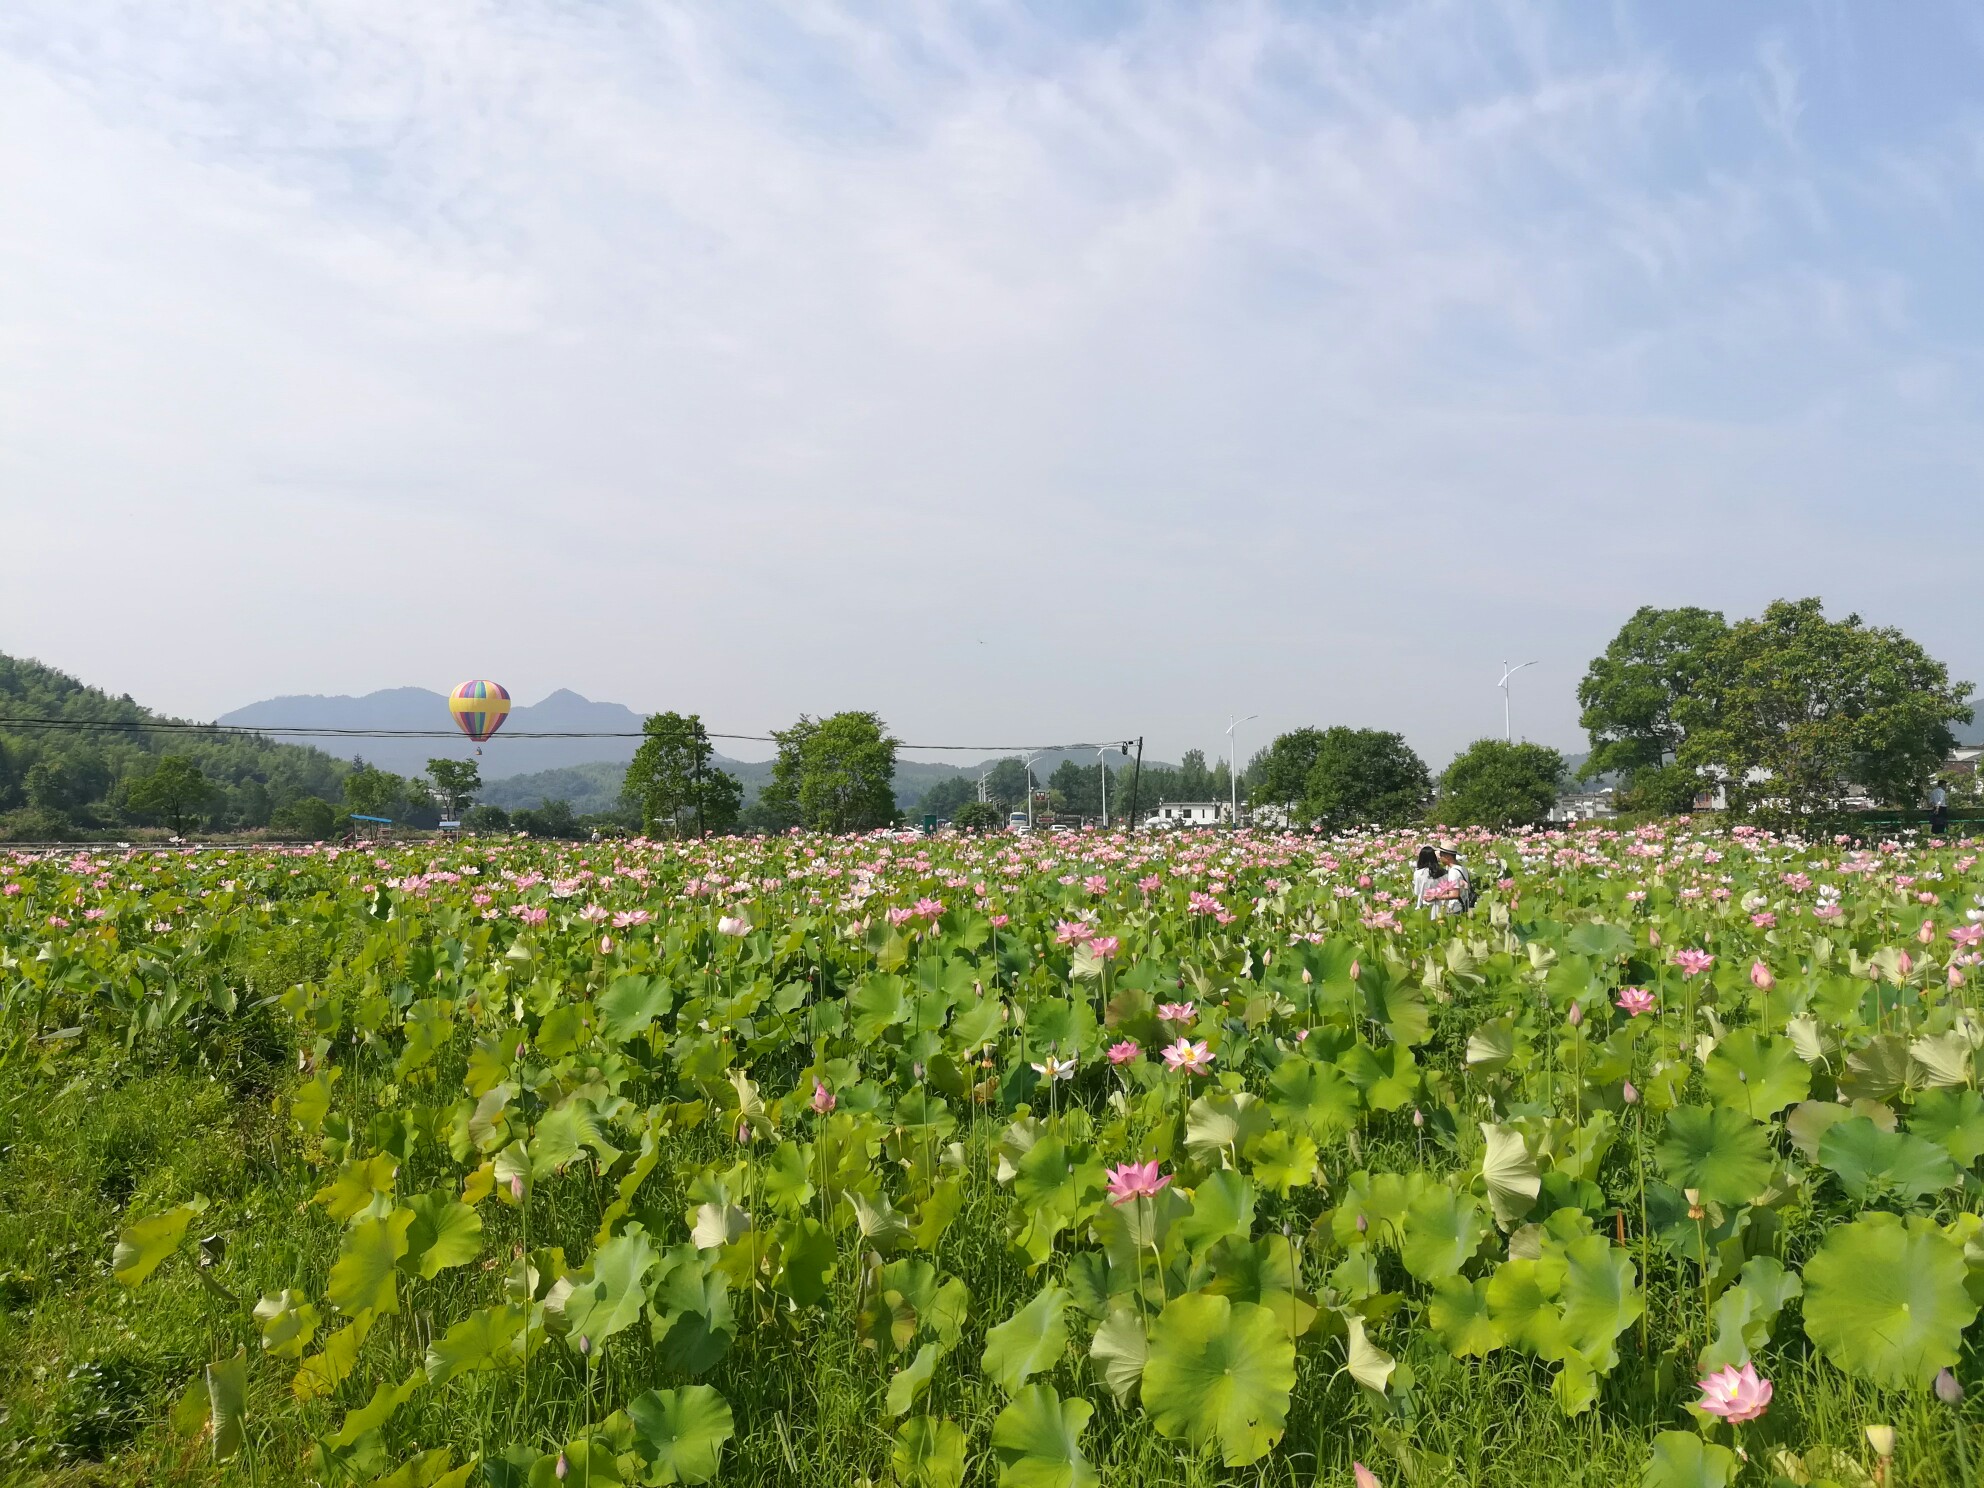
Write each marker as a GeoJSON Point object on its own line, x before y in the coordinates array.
{"type": "Point", "coordinates": [1450, 860]}
{"type": "Point", "coordinates": [1434, 889]}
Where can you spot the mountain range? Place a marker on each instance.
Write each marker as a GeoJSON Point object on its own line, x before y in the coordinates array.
{"type": "Point", "coordinates": [519, 772]}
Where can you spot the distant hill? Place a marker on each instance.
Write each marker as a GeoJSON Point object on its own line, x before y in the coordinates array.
{"type": "Point", "coordinates": [58, 781]}
{"type": "Point", "coordinates": [503, 756]}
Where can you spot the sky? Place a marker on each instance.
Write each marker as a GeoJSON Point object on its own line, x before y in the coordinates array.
{"type": "Point", "coordinates": [1025, 372]}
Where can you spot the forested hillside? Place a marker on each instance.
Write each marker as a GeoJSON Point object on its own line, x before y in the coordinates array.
{"type": "Point", "coordinates": [66, 781]}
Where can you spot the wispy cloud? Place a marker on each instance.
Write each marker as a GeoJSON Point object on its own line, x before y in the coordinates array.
{"type": "Point", "coordinates": [759, 360]}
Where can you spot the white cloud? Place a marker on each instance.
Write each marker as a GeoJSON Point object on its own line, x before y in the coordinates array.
{"type": "Point", "coordinates": [763, 361]}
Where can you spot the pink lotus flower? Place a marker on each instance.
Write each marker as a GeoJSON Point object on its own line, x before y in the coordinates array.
{"type": "Point", "coordinates": [1177, 1012]}
{"type": "Point", "coordinates": [1633, 1001]}
{"type": "Point", "coordinates": [823, 1098]}
{"type": "Point", "coordinates": [1362, 1477]}
{"type": "Point", "coordinates": [1968, 935]}
{"type": "Point", "coordinates": [1193, 1057]}
{"type": "Point", "coordinates": [733, 925]}
{"type": "Point", "coordinates": [1129, 1181]}
{"type": "Point", "coordinates": [1692, 962]}
{"type": "Point", "coordinates": [1104, 947]}
{"type": "Point", "coordinates": [1760, 977]}
{"type": "Point", "coordinates": [1124, 1052]}
{"type": "Point", "coordinates": [1736, 1395]}
{"type": "Point", "coordinates": [1764, 920]}
{"type": "Point", "coordinates": [1071, 932]}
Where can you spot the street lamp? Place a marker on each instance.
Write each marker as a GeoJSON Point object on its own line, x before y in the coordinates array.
{"type": "Point", "coordinates": [1508, 735]}
{"type": "Point", "coordinates": [1233, 761]}
{"type": "Point", "coordinates": [1102, 764]}
{"type": "Point", "coordinates": [1026, 764]}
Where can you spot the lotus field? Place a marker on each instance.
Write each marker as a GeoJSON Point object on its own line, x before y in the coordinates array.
{"type": "Point", "coordinates": [1050, 1160]}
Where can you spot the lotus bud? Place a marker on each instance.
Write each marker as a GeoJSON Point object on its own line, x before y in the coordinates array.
{"type": "Point", "coordinates": [1927, 934]}
{"type": "Point", "coordinates": [1575, 1016]}
{"type": "Point", "coordinates": [1903, 965]}
{"type": "Point", "coordinates": [563, 1469]}
{"type": "Point", "coordinates": [1653, 937]}
{"type": "Point", "coordinates": [1362, 1476]}
{"type": "Point", "coordinates": [585, 1346]}
{"type": "Point", "coordinates": [1760, 977]}
{"type": "Point", "coordinates": [1630, 1094]}
{"type": "Point", "coordinates": [1956, 977]}
{"type": "Point", "coordinates": [1948, 1390]}
{"type": "Point", "coordinates": [1418, 1117]}
{"type": "Point", "coordinates": [1307, 978]}
{"type": "Point", "coordinates": [606, 945]}
{"type": "Point", "coordinates": [1356, 970]}
{"type": "Point", "coordinates": [1363, 1224]}
{"type": "Point", "coordinates": [1881, 1439]}
{"type": "Point", "coordinates": [517, 1187]}
{"type": "Point", "coordinates": [823, 1098]}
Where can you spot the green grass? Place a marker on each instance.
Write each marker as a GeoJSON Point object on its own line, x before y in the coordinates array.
{"type": "Point", "coordinates": [89, 1370]}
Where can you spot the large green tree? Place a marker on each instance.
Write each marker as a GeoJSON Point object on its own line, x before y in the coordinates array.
{"type": "Point", "coordinates": [671, 781]}
{"type": "Point", "coordinates": [1279, 774]}
{"type": "Point", "coordinates": [1630, 697]}
{"type": "Point", "coordinates": [456, 782]}
{"type": "Point", "coordinates": [832, 774]}
{"type": "Point", "coordinates": [1492, 783]}
{"type": "Point", "coordinates": [1363, 777]}
{"type": "Point", "coordinates": [1794, 710]}
{"type": "Point", "coordinates": [173, 791]}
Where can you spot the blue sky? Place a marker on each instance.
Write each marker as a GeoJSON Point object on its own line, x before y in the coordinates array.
{"type": "Point", "coordinates": [1022, 371]}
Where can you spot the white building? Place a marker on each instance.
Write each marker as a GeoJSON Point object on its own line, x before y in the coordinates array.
{"type": "Point", "coordinates": [1187, 814]}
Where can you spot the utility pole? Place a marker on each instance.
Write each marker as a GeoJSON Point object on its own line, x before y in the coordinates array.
{"type": "Point", "coordinates": [1233, 761]}
{"type": "Point", "coordinates": [1136, 780]}
{"type": "Point", "coordinates": [1508, 733]}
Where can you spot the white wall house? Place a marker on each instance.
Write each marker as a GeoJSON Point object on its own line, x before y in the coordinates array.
{"type": "Point", "coordinates": [1186, 814]}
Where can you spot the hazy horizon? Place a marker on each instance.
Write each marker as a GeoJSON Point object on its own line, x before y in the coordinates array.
{"type": "Point", "coordinates": [1051, 372]}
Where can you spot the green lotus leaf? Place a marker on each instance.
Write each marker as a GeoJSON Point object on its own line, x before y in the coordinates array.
{"type": "Point", "coordinates": [1508, 1169]}
{"type": "Point", "coordinates": [607, 1296]}
{"type": "Point", "coordinates": [1877, 1070]}
{"type": "Point", "coordinates": [1387, 1078]}
{"type": "Point", "coordinates": [1491, 1046]}
{"type": "Point", "coordinates": [679, 1434]}
{"type": "Point", "coordinates": [351, 1192]}
{"type": "Point", "coordinates": [785, 1177]}
{"type": "Point", "coordinates": [693, 1321]}
{"type": "Point", "coordinates": [1119, 1352]}
{"type": "Point", "coordinates": [490, 1338]}
{"type": "Point", "coordinates": [1219, 1371]}
{"type": "Point", "coordinates": [1885, 1299]}
{"type": "Point", "coordinates": [1222, 1205]}
{"type": "Point", "coordinates": [1364, 1361]}
{"type": "Point", "coordinates": [445, 1232]}
{"type": "Point", "coordinates": [629, 1005]}
{"type": "Point", "coordinates": [1283, 1161]}
{"type": "Point", "coordinates": [1443, 1232]}
{"type": "Point", "coordinates": [1598, 940]}
{"type": "Point", "coordinates": [1944, 1059]}
{"type": "Point", "coordinates": [362, 1275]}
{"type": "Point", "coordinates": [288, 1323]}
{"type": "Point", "coordinates": [1218, 1122]}
{"type": "Point", "coordinates": [1600, 1298]}
{"type": "Point", "coordinates": [227, 1403]}
{"type": "Point", "coordinates": [1954, 1120]}
{"type": "Point", "coordinates": [1522, 1301]}
{"type": "Point", "coordinates": [1745, 1312]}
{"type": "Point", "coordinates": [1755, 1075]}
{"type": "Point", "coordinates": [1808, 1123]}
{"type": "Point", "coordinates": [1719, 1152]}
{"type": "Point", "coordinates": [1037, 1440]}
{"type": "Point", "coordinates": [1683, 1460]}
{"type": "Point", "coordinates": [806, 1257]}
{"type": "Point", "coordinates": [1312, 1098]}
{"type": "Point", "coordinates": [143, 1247]}
{"type": "Point", "coordinates": [1460, 1315]}
{"type": "Point", "coordinates": [909, 1383]}
{"type": "Point", "coordinates": [929, 1453]}
{"type": "Point", "coordinates": [1874, 1165]}
{"type": "Point", "coordinates": [1381, 1201]}
{"type": "Point", "coordinates": [1029, 1341]}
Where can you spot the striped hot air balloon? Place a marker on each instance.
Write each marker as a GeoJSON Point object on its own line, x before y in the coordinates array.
{"type": "Point", "coordinates": [479, 708]}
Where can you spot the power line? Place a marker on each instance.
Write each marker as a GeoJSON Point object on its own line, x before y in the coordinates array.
{"type": "Point", "coordinates": [236, 730]}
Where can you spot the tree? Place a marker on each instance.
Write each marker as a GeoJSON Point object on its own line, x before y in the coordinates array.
{"type": "Point", "coordinates": [1630, 697]}
{"type": "Point", "coordinates": [975, 816]}
{"type": "Point", "coordinates": [486, 819]}
{"type": "Point", "coordinates": [309, 817]}
{"type": "Point", "coordinates": [1279, 774]}
{"type": "Point", "coordinates": [671, 779]}
{"type": "Point", "coordinates": [1496, 784]}
{"type": "Point", "coordinates": [370, 791]}
{"type": "Point", "coordinates": [847, 774]}
{"type": "Point", "coordinates": [1793, 709]}
{"type": "Point", "coordinates": [944, 798]}
{"type": "Point", "coordinates": [1006, 783]}
{"type": "Point", "coordinates": [1364, 776]}
{"type": "Point", "coordinates": [173, 791]}
{"type": "Point", "coordinates": [1194, 779]}
{"type": "Point", "coordinates": [549, 819]}
{"type": "Point", "coordinates": [455, 781]}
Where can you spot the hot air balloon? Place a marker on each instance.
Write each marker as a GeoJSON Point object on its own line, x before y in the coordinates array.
{"type": "Point", "coordinates": [479, 708]}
